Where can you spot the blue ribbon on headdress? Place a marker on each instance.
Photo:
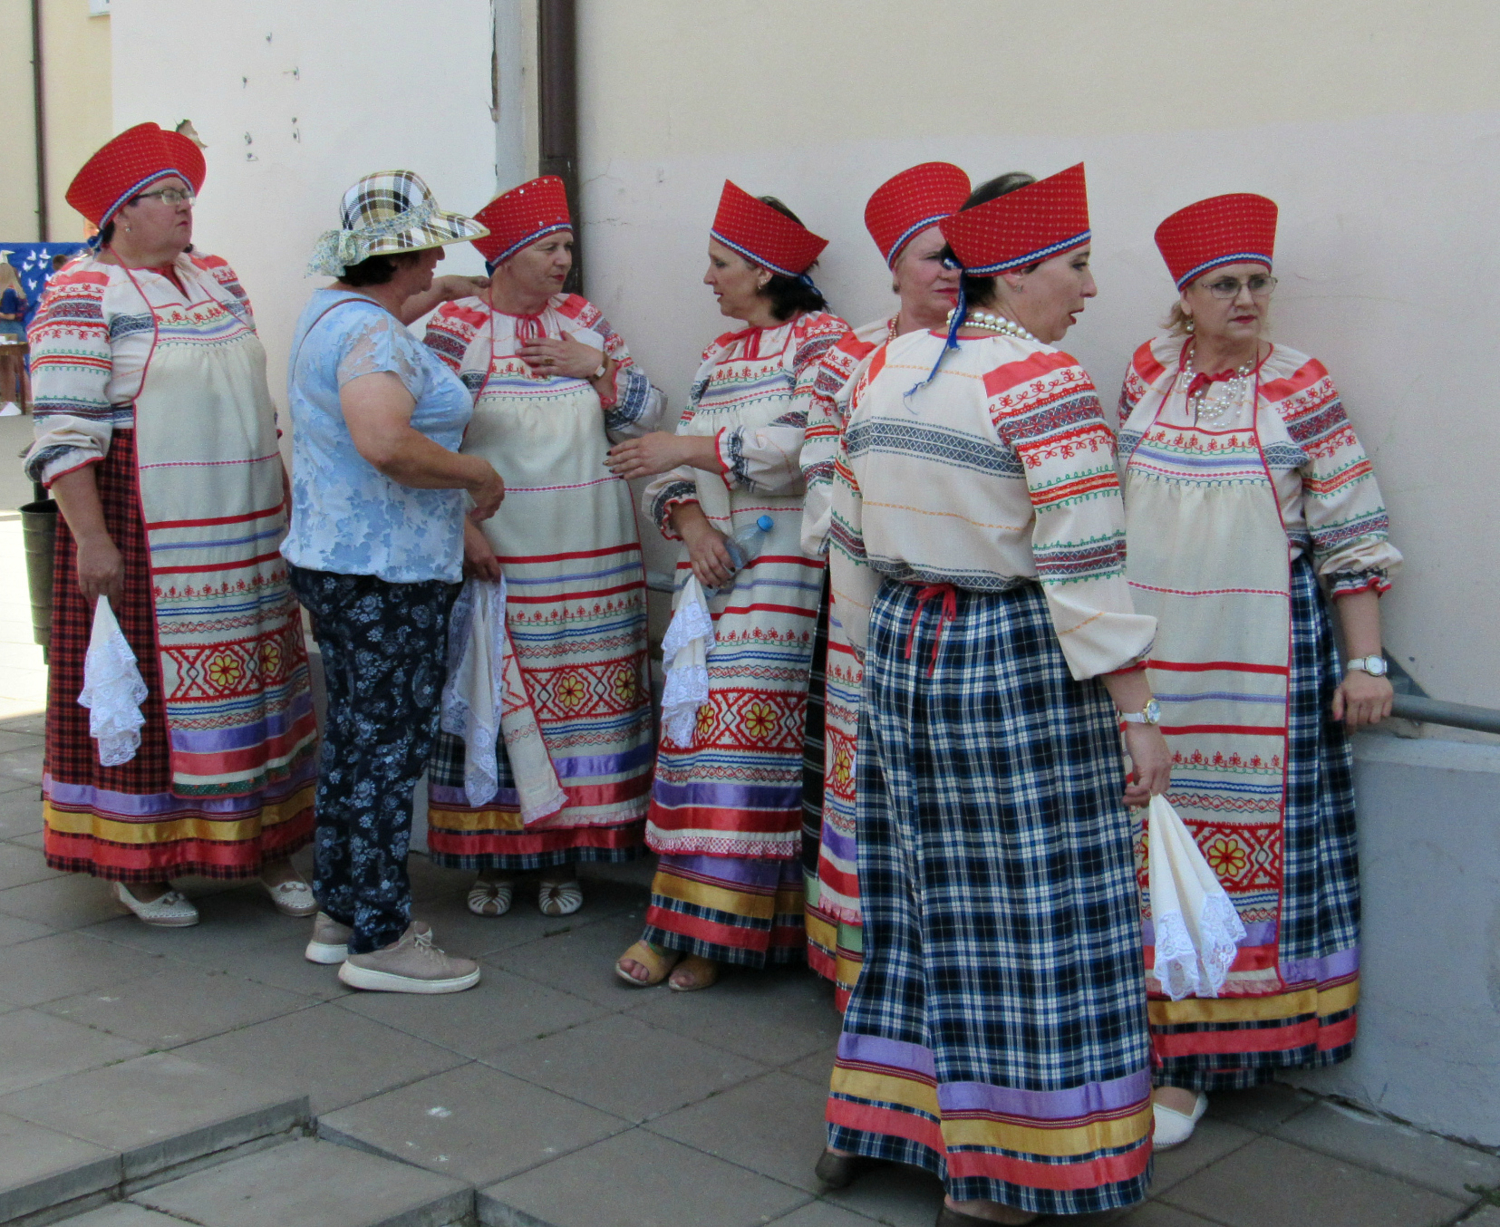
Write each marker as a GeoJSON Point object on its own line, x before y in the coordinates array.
{"type": "Point", "coordinates": [956, 321]}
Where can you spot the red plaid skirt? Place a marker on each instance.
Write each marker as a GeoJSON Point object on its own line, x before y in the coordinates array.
{"type": "Point", "coordinates": [124, 823]}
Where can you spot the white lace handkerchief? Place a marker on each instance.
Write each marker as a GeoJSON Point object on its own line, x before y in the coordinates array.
{"type": "Point", "coordinates": [485, 703]}
{"type": "Point", "coordinates": [684, 652]}
{"type": "Point", "coordinates": [1197, 928]}
{"type": "Point", "coordinates": [112, 690]}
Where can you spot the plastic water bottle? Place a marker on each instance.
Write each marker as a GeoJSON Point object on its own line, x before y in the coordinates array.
{"type": "Point", "coordinates": [745, 547]}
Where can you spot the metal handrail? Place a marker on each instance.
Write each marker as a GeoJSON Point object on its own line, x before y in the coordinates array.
{"type": "Point", "coordinates": [1454, 715]}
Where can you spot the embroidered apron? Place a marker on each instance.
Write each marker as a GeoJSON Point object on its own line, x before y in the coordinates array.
{"type": "Point", "coordinates": [564, 516]}
{"type": "Point", "coordinates": [1208, 557]}
{"type": "Point", "coordinates": [228, 631]}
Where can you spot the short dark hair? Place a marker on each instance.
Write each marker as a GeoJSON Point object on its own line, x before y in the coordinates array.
{"type": "Point", "coordinates": [980, 290]}
{"type": "Point", "coordinates": [791, 295]}
{"type": "Point", "coordinates": [107, 235]}
{"type": "Point", "coordinates": [377, 270]}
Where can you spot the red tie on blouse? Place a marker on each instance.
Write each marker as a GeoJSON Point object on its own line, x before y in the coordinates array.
{"type": "Point", "coordinates": [1202, 383]}
{"type": "Point", "coordinates": [949, 614]}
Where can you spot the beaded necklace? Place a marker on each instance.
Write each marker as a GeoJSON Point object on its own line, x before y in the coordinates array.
{"type": "Point", "coordinates": [1213, 409]}
{"type": "Point", "coordinates": [997, 324]}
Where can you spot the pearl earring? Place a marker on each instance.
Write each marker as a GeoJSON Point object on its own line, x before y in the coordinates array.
{"type": "Point", "coordinates": [1190, 324]}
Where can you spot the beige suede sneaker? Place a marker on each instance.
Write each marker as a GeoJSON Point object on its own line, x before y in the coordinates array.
{"type": "Point", "coordinates": [411, 965]}
{"type": "Point", "coordinates": [330, 941]}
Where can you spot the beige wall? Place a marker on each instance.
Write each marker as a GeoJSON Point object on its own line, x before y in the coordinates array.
{"type": "Point", "coordinates": [76, 62]}
{"type": "Point", "coordinates": [1374, 124]}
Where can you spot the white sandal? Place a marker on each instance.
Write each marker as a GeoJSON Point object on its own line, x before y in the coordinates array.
{"type": "Point", "coordinates": [172, 910]}
{"type": "Point", "coordinates": [559, 898]}
{"type": "Point", "coordinates": [294, 897]}
{"type": "Point", "coordinates": [491, 896]}
{"type": "Point", "coordinates": [1173, 1128]}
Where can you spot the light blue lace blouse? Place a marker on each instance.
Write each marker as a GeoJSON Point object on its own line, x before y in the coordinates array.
{"type": "Point", "coordinates": [347, 516]}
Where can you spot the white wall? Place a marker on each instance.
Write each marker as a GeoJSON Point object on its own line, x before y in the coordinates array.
{"type": "Point", "coordinates": [296, 99]}
{"type": "Point", "coordinates": [1373, 124]}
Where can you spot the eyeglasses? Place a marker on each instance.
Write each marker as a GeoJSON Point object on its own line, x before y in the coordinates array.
{"type": "Point", "coordinates": [170, 196]}
{"type": "Point", "coordinates": [1260, 285]}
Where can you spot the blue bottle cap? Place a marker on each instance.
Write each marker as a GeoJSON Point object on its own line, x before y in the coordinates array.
{"type": "Point", "coordinates": [765, 524]}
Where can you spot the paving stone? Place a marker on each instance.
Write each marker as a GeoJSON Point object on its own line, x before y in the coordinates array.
{"type": "Point", "coordinates": [336, 1056]}
{"type": "Point", "coordinates": [11, 740]}
{"type": "Point", "coordinates": [824, 1214]}
{"type": "Point", "coordinates": [123, 1214]}
{"type": "Point", "coordinates": [772, 1125]}
{"type": "Point", "coordinates": [34, 723]}
{"type": "Point", "coordinates": [637, 1179]}
{"type": "Point", "coordinates": [1270, 1182]}
{"type": "Point", "coordinates": [1487, 1216]}
{"type": "Point", "coordinates": [815, 1067]}
{"type": "Point", "coordinates": [279, 964]}
{"type": "Point", "coordinates": [769, 1016]}
{"type": "Point", "coordinates": [1157, 1214]}
{"type": "Point", "coordinates": [1212, 1139]}
{"type": "Point", "coordinates": [36, 839]}
{"type": "Point", "coordinates": [177, 1006]}
{"type": "Point", "coordinates": [502, 1010]}
{"type": "Point", "coordinates": [159, 1110]}
{"type": "Point", "coordinates": [312, 1184]}
{"type": "Point", "coordinates": [20, 812]}
{"type": "Point", "coordinates": [625, 1067]}
{"type": "Point", "coordinates": [20, 865]}
{"type": "Point", "coordinates": [50, 968]}
{"type": "Point", "coordinates": [1396, 1150]}
{"type": "Point", "coordinates": [14, 931]}
{"type": "Point", "coordinates": [581, 961]}
{"type": "Point", "coordinates": [37, 1047]}
{"type": "Point", "coordinates": [23, 766]}
{"type": "Point", "coordinates": [893, 1194]}
{"type": "Point", "coordinates": [69, 902]}
{"type": "Point", "coordinates": [40, 1168]}
{"type": "Point", "coordinates": [1260, 1108]}
{"type": "Point", "coordinates": [473, 1123]}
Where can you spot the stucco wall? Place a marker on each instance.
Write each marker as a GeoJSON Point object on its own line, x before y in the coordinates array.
{"type": "Point", "coordinates": [1374, 124]}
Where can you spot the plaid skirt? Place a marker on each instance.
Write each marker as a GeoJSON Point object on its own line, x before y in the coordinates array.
{"type": "Point", "coordinates": [124, 823]}
{"type": "Point", "coordinates": [731, 909]}
{"type": "Point", "coordinates": [1249, 1039]}
{"type": "Point", "coordinates": [997, 1035]}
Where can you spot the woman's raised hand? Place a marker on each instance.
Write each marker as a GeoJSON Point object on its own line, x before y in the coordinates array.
{"type": "Point", "coordinates": [562, 356]}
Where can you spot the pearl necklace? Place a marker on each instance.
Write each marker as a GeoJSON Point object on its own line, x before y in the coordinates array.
{"type": "Point", "coordinates": [997, 324]}
{"type": "Point", "coordinates": [1216, 408]}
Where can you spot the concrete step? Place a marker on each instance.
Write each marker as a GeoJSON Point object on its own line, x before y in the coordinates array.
{"type": "Point", "coordinates": [74, 1143]}
{"type": "Point", "coordinates": [308, 1183]}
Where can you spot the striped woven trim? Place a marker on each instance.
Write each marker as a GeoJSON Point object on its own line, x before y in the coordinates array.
{"type": "Point", "coordinates": [1032, 257]}
{"type": "Point", "coordinates": [750, 255]}
{"type": "Point", "coordinates": [135, 189]}
{"type": "Point", "coordinates": [531, 238]}
{"type": "Point", "coordinates": [1233, 257]}
{"type": "Point", "coordinates": [910, 233]}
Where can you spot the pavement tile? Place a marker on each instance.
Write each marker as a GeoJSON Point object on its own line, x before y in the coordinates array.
{"type": "Point", "coordinates": [37, 1047]}
{"type": "Point", "coordinates": [36, 839]}
{"type": "Point", "coordinates": [1157, 1214]}
{"type": "Point", "coordinates": [40, 1168]}
{"type": "Point", "coordinates": [20, 812]}
{"type": "Point", "coordinates": [336, 1056]}
{"type": "Point", "coordinates": [11, 740]}
{"type": "Point", "coordinates": [1487, 1216]}
{"type": "Point", "coordinates": [772, 1125]}
{"type": "Point", "coordinates": [1212, 1139]}
{"type": "Point", "coordinates": [177, 1006]}
{"type": "Point", "coordinates": [1260, 1108]}
{"type": "Point", "coordinates": [279, 964]}
{"type": "Point", "coordinates": [499, 1012]}
{"type": "Point", "coordinates": [473, 1123]}
{"type": "Point", "coordinates": [636, 1179]}
{"type": "Point", "coordinates": [1396, 1150]}
{"type": "Point", "coordinates": [20, 865]}
{"type": "Point", "coordinates": [159, 1110]}
{"type": "Point", "coordinates": [311, 1184]}
{"type": "Point", "coordinates": [14, 931]}
{"type": "Point", "coordinates": [769, 1016]}
{"type": "Point", "coordinates": [824, 1214]}
{"type": "Point", "coordinates": [893, 1194]}
{"type": "Point", "coordinates": [626, 1067]}
{"type": "Point", "coordinates": [459, 931]}
{"type": "Point", "coordinates": [123, 1214]}
{"type": "Point", "coordinates": [580, 961]}
{"type": "Point", "coordinates": [1270, 1182]}
{"type": "Point", "coordinates": [23, 765]}
{"type": "Point", "coordinates": [30, 722]}
{"type": "Point", "coordinates": [815, 1067]}
{"type": "Point", "coordinates": [69, 902]}
{"type": "Point", "coordinates": [64, 964]}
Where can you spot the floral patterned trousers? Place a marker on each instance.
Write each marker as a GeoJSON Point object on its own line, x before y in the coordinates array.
{"type": "Point", "coordinates": [384, 650]}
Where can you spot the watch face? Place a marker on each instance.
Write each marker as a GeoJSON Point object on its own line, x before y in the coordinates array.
{"type": "Point", "coordinates": [1152, 712]}
{"type": "Point", "coordinates": [1376, 666]}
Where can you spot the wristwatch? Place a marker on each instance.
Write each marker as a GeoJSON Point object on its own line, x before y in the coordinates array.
{"type": "Point", "coordinates": [599, 374]}
{"type": "Point", "coordinates": [1150, 714]}
{"type": "Point", "coordinates": [1375, 666]}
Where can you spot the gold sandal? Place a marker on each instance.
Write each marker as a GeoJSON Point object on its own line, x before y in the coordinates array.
{"type": "Point", "coordinates": [658, 963]}
{"type": "Point", "coordinates": [705, 973]}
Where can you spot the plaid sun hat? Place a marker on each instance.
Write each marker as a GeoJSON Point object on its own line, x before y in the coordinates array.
{"type": "Point", "coordinates": [384, 213]}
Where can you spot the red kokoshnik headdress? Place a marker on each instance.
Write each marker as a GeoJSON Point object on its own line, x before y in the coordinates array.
{"type": "Point", "coordinates": [765, 235]}
{"type": "Point", "coordinates": [1236, 229]}
{"type": "Point", "coordinates": [520, 217]}
{"type": "Point", "coordinates": [128, 165]}
{"type": "Point", "coordinates": [907, 204]}
{"type": "Point", "coordinates": [1031, 224]}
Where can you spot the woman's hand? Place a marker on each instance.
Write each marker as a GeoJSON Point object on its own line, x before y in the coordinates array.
{"type": "Point", "coordinates": [487, 490]}
{"type": "Point", "coordinates": [452, 287]}
{"type": "Point", "coordinates": [101, 570]}
{"type": "Point", "coordinates": [648, 455]}
{"type": "Point", "coordinates": [708, 548]}
{"type": "Point", "coordinates": [479, 554]}
{"type": "Point", "coordinates": [1151, 764]}
{"type": "Point", "coordinates": [563, 356]}
{"type": "Point", "coordinates": [1362, 699]}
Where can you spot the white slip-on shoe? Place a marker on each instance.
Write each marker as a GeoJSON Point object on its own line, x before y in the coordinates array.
{"type": "Point", "coordinates": [491, 896]}
{"type": "Point", "coordinates": [559, 898]}
{"type": "Point", "coordinates": [294, 897]}
{"type": "Point", "coordinates": [411, 965]}
{"type": "Point", "coordinates": [1173, 1128]}
{"type": "Point", "coordinates": [169, 911]}
{"type": "Point", "coordinates": [330, 941]}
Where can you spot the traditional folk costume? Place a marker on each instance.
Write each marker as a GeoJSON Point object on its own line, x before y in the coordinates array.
{"type": "Point", "coordinates": [726, 809]}
{"type": "Point", "coordinates": [1238, 505]}
{"type": "Point", "coordinates": [901, 208]}
{"type": "Point", "coordinates": [997, 1035]}
{"type": "Point", "coordinates": [156, 378]}
{"type": "Point", "coordinates": [566, 538]}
